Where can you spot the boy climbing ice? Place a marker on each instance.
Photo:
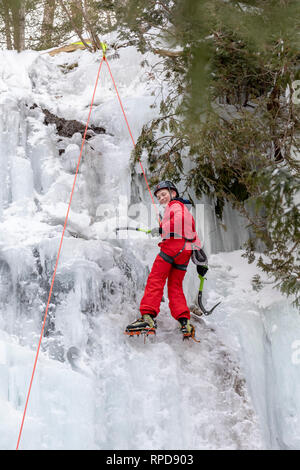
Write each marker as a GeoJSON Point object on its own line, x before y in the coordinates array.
{"type": "Point", "coordinates": [179, 239]}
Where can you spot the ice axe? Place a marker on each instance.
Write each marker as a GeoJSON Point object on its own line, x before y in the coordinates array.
{"type": "Point", "coordinates": [199, 258]}
{"type": "Point", "coordinates": [136, 229]}
{"type": "Point", "coordinates": [202, 308]}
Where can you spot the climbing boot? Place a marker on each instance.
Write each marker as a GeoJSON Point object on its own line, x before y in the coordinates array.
{"type": "Point", "coordinates": [186, 328]}
{"type": "Point", "coordinates": [144, 325]}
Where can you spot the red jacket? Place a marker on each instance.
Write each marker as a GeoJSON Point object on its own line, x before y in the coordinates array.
{"type": "Point", "coordinates": [179, 224]}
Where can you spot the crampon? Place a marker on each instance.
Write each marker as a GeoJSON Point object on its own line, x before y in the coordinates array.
{"type": "Point", "coordinates": [190, 335]}
{"type": "Point", "coordinates": [140, 332]}
{"type": "Point", "coordinates": [145, 333]}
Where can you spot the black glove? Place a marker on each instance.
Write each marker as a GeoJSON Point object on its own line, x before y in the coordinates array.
{"type": "Point", "coordinates": [156, 231]}
{"type": "Point", "coordinates": [202, 270]}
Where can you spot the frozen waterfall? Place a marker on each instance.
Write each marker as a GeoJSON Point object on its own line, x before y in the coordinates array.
{"type": "Point", "coordinates": [237, 389]}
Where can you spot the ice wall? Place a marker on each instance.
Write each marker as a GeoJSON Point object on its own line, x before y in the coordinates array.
{"type": "Point", "coordinates": [263, 328]}
{"type": "Point", "coordinates": [35, 186]}
{"type": "Point", "coordinates": [61, 400]}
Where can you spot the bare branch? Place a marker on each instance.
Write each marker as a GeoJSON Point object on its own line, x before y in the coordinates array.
{"type": "Point", "coordinates": [166, 53]}
{"type": "Point", "coordinates": [76, 29]}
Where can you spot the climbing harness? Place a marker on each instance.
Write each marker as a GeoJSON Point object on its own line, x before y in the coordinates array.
{"type": "Point", "coordinates": [171, 259]}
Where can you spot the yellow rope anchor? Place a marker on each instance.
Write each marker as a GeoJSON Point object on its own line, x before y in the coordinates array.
{"type": "Point", "coordinates": [104, 47]}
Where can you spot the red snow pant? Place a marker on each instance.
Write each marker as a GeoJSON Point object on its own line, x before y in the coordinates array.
{"type": "Point", "coordinates": [160, 272]}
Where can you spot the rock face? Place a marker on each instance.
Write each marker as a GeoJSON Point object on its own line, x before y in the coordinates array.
{"type": "Point", "coordinates": [67, 128]}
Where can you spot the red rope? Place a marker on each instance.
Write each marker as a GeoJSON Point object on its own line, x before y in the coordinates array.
{"type": "Point", "coordinates": [57, 259]}
{"type": "Point", "coordinates": [124, 114]}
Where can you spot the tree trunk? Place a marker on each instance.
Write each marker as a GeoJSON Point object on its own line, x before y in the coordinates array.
{"type": "Point", "coordinates": [47, 25]}
{"type": "Point", "coordinates": [21, 46]}
{"type": "Point", "coordinates": [273, 106]}
{"type": "Point", "coordinates": [87, 15]}
{"type": "Point", "coordinates": [18, 18]}
{"type": "Point", "coordinates": [166, 53]}
{"type": "Point", "coordinates": [77, 14]}
{"type": "Point", "coordinates": [7, 24]}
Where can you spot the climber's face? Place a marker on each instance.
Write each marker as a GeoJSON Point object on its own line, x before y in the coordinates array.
{"type": "Point", "coordinates": [164, 197]}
